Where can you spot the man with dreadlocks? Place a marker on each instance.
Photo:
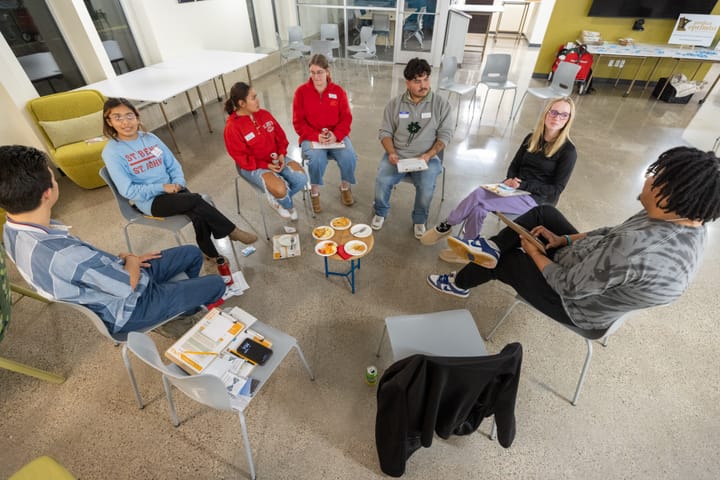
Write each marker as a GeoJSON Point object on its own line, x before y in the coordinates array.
{"type": "Point", "coordinates": [591, 279]}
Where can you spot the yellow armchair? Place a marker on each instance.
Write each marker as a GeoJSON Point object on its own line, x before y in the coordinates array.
{"type": "Point", "coordinates": [71, 123]}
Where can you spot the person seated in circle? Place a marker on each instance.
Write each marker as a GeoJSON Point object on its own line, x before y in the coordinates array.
{"type": "Point", "coordinates": [321, 113]}
{"type": "Point", "coordinates": [542, 166]}
{"type": "Point", "coordinates": [258, 144]}
{"type": "Point", "coordinates": [146, 172]}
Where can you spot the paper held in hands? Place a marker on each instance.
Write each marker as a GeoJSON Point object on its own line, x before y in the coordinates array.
{"type": "Point", "coordinates": [521, 231]}
{"type": "Point", "coordinates": [406, 165]}
{"type": "Point", "coordinates": [503, 190]}
{"type": "Point", "coordinates": [327, 146]}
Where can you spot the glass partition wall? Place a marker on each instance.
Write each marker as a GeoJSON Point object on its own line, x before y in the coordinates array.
{"type": "Point", "coordinates": [403, 29]}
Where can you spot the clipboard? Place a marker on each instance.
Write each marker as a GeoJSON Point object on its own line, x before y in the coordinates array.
{"type": "Point", "coordinates": [521, 231]}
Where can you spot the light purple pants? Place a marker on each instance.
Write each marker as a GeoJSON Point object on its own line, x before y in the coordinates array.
{"type": "Point", "coordinates": [474, 208]}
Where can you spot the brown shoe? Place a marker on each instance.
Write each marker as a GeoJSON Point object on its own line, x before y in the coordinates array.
{"type": "Point", "coordinates": [315, 200]}
{"type": "Point", "coordinates": [346, 197]}
{"type": "Point", "coordinates": [243, 236]}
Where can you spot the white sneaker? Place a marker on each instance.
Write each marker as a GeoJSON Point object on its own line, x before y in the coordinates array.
{"type": "Point", "coordinates": [293, 214]}
{"type": "Point", "coordinates": [278, 208]}
{"type": "Point", "coordinates": [419, 229]}
{"type": "Point", "coordinates": [377, 222]}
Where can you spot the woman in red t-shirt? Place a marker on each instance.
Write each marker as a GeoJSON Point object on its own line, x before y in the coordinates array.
{"type": "Point", "coordinates": [257, 143]}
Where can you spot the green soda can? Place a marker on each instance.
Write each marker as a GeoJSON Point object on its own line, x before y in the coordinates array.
{"type": "Point", "coordinates": [371, 375]}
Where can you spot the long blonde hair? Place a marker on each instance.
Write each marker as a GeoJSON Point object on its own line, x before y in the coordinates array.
{"type": "Point", "coordinates": [537, 140]}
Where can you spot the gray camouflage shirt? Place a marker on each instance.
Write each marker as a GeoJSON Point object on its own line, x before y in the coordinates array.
{"type": "Point", "coordinates": [638, 264]}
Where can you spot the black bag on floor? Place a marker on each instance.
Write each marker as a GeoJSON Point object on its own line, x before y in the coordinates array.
{"type": "Point", "coordinates": [669, 94]}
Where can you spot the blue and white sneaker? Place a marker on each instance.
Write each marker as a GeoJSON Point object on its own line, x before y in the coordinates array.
{"type": "Point", "coordinates": [445, 283]}
{"type": "Point", "coordinates": [480, 251]}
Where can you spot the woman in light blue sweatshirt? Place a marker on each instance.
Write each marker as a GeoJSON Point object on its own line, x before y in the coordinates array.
{"type": "Point", "coordinates": [147, 173]}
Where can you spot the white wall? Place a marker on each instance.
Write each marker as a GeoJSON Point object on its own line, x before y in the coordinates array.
{"type": "Point", "coordinates": [537, 24]}
{"type": "Point", "coordinates": [172, 28]}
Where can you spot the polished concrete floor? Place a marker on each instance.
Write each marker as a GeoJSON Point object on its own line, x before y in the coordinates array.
{"type": "Point", "coordinates": [649, 408]}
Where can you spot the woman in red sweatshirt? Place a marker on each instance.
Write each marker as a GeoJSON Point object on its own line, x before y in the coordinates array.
{"type": "Point", "coordinates": [322, 118]}
{"type": "Point", "coordinates": [257, 143]}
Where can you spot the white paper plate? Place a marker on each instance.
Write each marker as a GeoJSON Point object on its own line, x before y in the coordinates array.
{"type": "Point", "coordinates": [285, 240]}
{"type": "Point", "coordinates": [322, 232]}
{"type": "Point", "coordinates": [326, 248]}
{"type": "Point", "coordinates": [340, 223]}
{"type": "Point", "coordinates": [361, 230]}
{"type": "Point", "coordinates": [356, 248]}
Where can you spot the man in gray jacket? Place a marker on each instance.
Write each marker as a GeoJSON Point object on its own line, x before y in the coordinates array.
{"type": "Point", "coordinates": [591, 279]}
{"type": "Point", "coordinates": [417, 124]}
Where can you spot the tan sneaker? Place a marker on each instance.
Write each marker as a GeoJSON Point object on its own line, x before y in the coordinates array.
{"type": "Point", "coordinates": [315, 200]}
{"type": "Point", "coordinates": [243, 236]}
{"type": "Point", "coordinates": [449, 255]}
{"type": "Point", "coordinates": [347, 197]}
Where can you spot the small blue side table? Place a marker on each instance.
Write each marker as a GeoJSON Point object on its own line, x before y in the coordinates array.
{"type": "Point", "coordinates": [341, 237]}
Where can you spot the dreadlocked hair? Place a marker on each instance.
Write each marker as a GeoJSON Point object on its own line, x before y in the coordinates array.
{"type": "Point", "coordinates": [688, 182]}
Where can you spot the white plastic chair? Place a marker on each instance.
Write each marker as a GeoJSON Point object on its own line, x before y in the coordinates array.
{"type": "Point", "coordinates": [322, 47]}
{"type": "Point", "coordinates": [331, 33]}
{"type": "Point", "coordinates": [589, 335]}
{"type": "Point", "coordinates": [448, 68]}
{"type": "Point", "coordinates": [288, 54]}
{"type": "Point", "coordinates": [381, 26]}
{"type": "Point", "coordinates": [133, 216]}
{"type": "Point", "coordinates": [296, 40]}
{"type": "Point", "coordinates": [562, 84]}
{"type": "Point", "coordinates": [367, 50]}
{"type": "Point", "coordinates": [208, 389]}
{"type": "Point", "coordinates": [451, 333]}
{"type": "Point", "coordinates": [494, 77]}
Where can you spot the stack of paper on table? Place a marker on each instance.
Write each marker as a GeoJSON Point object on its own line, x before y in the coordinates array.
{"type": "Point", "coordinates": [327, 146]}
{"type": "Point", "coordinates": [406, 165]}
{"type": "Point", "coordinates": [205, 349]}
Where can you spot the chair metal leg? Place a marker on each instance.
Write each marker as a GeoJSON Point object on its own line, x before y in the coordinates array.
{"type": "Point", "coordinates": [442, 192]}
{"type": "Point", "coordinates": [247, 444]}
{"type": "Point", "coordinates": [262, 214]}
{"type": "Point", "coordinates": [17, 367]}
{"type": "Point", "coordinates": [171, 404]}
{"type": "Point", "coordinates": [302, 357]}
{"type": "Point", "coordinates": [493, 430]}
{"type": "Point", "coordinates": [584, 371]}
{"type": "Point", "coordinates": [507, 312]}
{"type": "Point", "coordinates": [25, 292]}
{"type": "Point", "coordinates": [131, 374]}
{"type": "Point", "coordinates": [519, 105]}
{"type": "Point", "coordinates": [127, 238]}
{"type": "Point", "coordinates": [382, 339]}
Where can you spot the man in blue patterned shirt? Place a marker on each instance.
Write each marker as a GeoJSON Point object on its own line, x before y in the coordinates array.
{"type": "Point", "coordinates": [129, 292]}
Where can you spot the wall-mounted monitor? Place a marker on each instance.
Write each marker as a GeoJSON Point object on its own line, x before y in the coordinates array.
{"type": "Point", "coordinates": [649, 8]}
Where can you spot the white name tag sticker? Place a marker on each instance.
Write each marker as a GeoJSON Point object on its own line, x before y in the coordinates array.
{"type": "Point", "coordinates": [156, 151]}
{"type": "Point", "coordinates": [249, 136]}
{"type": "Point", "coordinates": [332, 95]}
{"type": "Point", "coordinates": [426, 115]}
{"type": "Point", "coordinates": [404, 114]}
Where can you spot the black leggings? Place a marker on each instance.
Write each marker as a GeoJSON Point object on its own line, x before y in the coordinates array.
{"type": "Point", "coordinates": [517, 269]}
{"type": "Point", "coordinates": [206, 219]}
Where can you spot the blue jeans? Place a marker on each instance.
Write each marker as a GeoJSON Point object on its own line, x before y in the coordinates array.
{"type": "Point", "coordinates": [388, 177]}
{"type": "Point", "coordinates": [294, 181]}
{"type": "Point", "coordinates": [317, 159]}
{"type": "Point", "coordinates": [164, 298]}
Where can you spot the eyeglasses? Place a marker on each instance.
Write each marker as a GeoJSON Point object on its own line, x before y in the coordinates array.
{"type": "Point", "coordinates": [119, 118]}
{"type": "Point", "coordinates": [555, 113]}
{"type": "Point", "coordinates": [317, 73]}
